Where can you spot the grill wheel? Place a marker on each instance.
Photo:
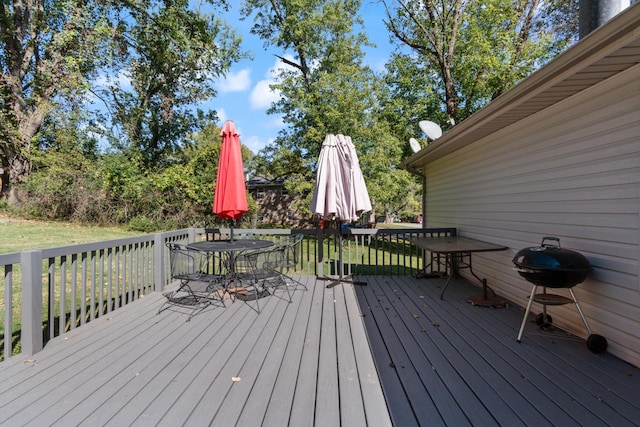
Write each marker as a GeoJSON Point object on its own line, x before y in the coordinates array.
{"type": "Point", "coordinates": [597, 343]}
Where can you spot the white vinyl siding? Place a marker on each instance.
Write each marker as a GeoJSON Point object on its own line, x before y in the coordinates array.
{"type": "Point", "coordinates": [570, 171]}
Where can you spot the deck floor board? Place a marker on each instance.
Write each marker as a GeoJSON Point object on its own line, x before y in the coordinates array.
{"type": "Point", "coordinates": [274, 388]}
{"type": "Point", "coordinates": [570, 384]}
{"type": "Point", "coordinates": [544, 380]}
{"type": "Point", "coordinates": [390, 352]}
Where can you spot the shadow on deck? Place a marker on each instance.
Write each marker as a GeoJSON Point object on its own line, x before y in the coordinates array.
{"type": "Point", "coordinates": [440, 362]}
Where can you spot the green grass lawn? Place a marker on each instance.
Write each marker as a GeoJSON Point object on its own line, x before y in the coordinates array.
{"type": "Point", "coordinates": [18, 235]}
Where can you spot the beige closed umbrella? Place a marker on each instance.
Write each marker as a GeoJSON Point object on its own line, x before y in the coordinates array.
{"type": "Point", "coordinates": [340, 191]}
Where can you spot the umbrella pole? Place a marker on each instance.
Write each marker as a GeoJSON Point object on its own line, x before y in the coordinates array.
{"type": "Point", "coordinates": [231, 228]}
{"type": "Point", "coordinates": [340, 278]}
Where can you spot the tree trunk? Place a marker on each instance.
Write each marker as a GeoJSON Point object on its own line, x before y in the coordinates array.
{"type": "Point", "coordinates": [17, 169]}
{"type": "Point", "coordinates": [16, 153]}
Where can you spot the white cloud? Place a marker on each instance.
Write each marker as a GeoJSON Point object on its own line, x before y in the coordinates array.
{"type": "Point", "coordinates": [222, 115]}
{"type": "Point", "coordinates": [236, 82]}
{"type": "Point", "coordinates": [255, 143]}
{"type": "Point", "coordinates": [262, 95]}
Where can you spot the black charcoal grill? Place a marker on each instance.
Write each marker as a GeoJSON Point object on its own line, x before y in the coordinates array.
{"type": "Point", "coordinates": [550, 266]}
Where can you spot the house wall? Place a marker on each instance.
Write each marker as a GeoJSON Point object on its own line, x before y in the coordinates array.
{"type": "Point", "coordinates": [280, 209]}
{"type": "Point", "coordinates": [570, 171]}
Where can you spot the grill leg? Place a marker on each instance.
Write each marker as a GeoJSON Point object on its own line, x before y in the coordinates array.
{"type": "Point", "coordinates": [526, 312]}
{"type": "Point", "coordinates": [584, 319]}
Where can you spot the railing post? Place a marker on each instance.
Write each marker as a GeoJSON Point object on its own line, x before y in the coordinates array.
{"type": "Point", "coordinates": [191, 232]}
{"type": "Point", "coordinates": [158, 262]}
{"type": "Point", "coordinates": [31, 329]}
{"type": "Point", "coordinates": [320, 252]}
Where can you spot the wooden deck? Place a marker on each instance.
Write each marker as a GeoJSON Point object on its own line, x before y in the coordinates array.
{"type": "Point", "coordinates": [293, 364]}
{"type": "Point", "coordinates": [450, 363]}
{"type": "Point", "coordinates": [309, 363]}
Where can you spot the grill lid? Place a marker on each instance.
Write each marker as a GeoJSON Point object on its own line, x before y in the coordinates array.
{"type": "Point", "coordinates": [551, 257]}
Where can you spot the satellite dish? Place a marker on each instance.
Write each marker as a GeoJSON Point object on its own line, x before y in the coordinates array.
{"type": "Point", "coordinates": [432, 130]}
{"type": "Point", "coordinates": [415, 145]}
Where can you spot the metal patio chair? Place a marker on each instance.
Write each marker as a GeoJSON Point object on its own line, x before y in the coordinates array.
{"type": "Point", "coordinates": [291, 256]}
{"type": "Point", "coordinates": [201, 276]}
{"type": "Point", "coordinates": [262, 272]}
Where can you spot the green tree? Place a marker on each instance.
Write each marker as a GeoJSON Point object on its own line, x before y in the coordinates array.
{"type": "Point", "coordinates": [169, 55]}
{"type": "Point", "coordinates": [411, 99]}
{"type": "Point", "coordinates": [158, 58]}
{"type": "Point", "coordinates": [465, 53]}
{"type": "Point", "coordinates": [47, 51]}
{"type": "Point", "coordinates": [326, 88]}
{"type": "Point", "coordinates": [65, 184]}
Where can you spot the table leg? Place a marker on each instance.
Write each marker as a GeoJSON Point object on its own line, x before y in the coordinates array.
{"type": "Point", "coordinates": [484, 300]}
{"type": "Point", "coordinates": [454, 260]}
{"type": "Point", "coordinates": [444, 288]}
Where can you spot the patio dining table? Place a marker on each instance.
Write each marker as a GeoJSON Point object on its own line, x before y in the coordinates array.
{"type": "Point", "coordinates": [230, 250]}
{"type": "Point", "coordinates": [458, 253]}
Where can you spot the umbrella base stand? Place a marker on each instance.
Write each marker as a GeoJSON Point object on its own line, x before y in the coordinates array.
{"type": "Point", "coordinates": [337, 280]}
{"type": "Point", "coordinates": [340, 279]}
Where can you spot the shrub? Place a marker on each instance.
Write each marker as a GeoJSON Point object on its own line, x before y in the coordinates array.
{"type": "Point", "coordinates": [142, 224]}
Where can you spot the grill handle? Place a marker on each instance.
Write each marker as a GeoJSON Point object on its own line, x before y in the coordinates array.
{"type": "Point", "coordinates": [526, 270]}
{"type": "Point", "coordinates": [555, 239]}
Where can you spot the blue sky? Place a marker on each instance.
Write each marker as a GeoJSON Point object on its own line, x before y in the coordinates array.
{"type": "Point", "coordinates": [244, 96]}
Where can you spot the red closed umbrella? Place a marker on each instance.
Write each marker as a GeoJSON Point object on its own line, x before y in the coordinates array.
{"type": "Point", "coordinates": [230, 197]}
